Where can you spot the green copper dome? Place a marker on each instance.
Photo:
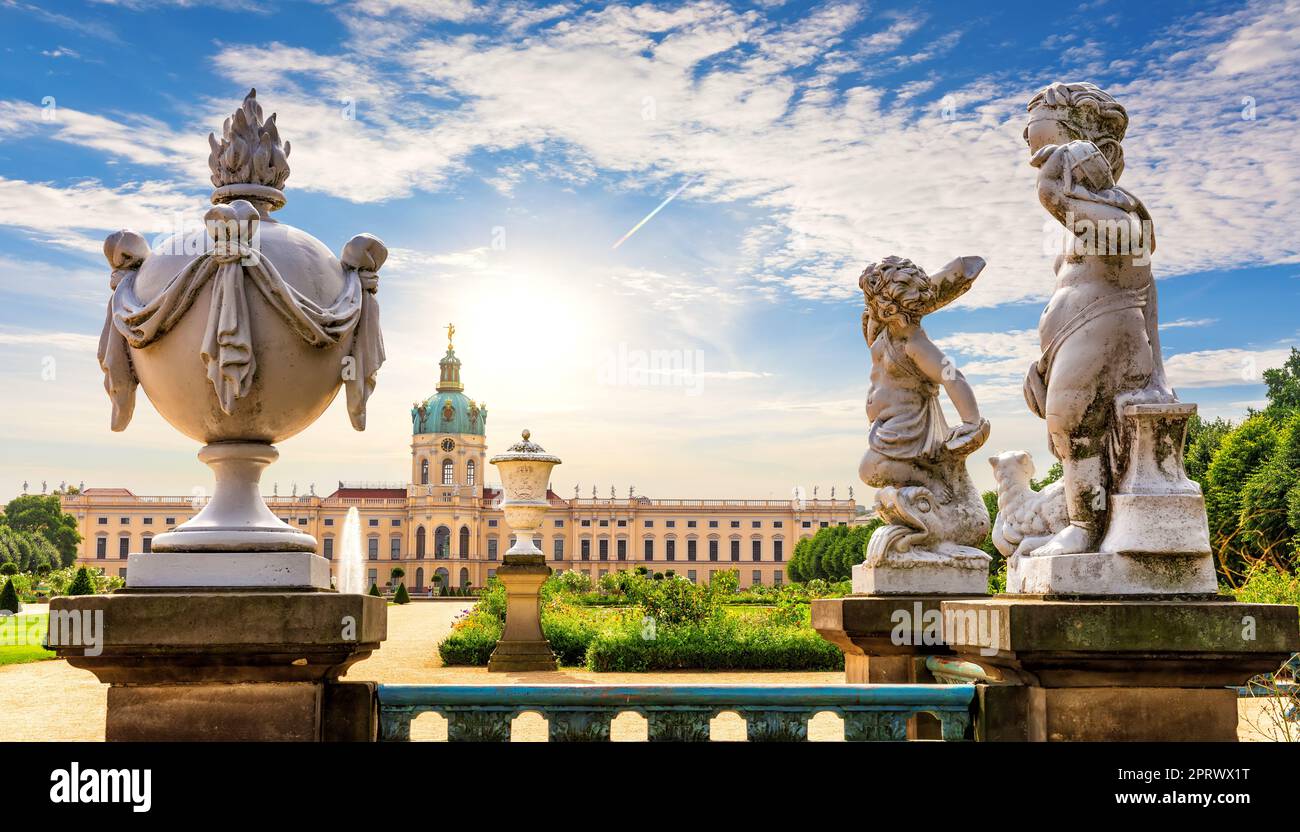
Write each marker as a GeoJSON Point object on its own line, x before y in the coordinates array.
{"type": "Point", "coordinates": [449, 410]}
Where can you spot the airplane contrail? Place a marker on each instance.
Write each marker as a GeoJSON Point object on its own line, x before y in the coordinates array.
{"type": "Point", "coordinates": [649, 216]}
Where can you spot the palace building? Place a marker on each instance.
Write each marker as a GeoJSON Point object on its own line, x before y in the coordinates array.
{"type": "Point", "coordinates": [445, 527]}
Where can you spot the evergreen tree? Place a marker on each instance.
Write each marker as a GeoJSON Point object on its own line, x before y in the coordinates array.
{"type": "Point", "coordinates": [9, 598]}
{"type": "Point", "coordinates": [374, 590]}
{"type": "Point", "coordinates": [43, 515]}
{"type": "Point", "coordinates": [83, 584]}
{"type": "Point", "coordinates": [402, 596]}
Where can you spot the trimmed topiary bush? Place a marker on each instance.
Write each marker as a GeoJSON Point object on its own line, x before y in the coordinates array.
{"type": "Point", "coordinates": [374, 590]}
{"type": "Point", "coordinates": [9, 598]}
{"type": "Point", "coordinates": [402, 596]}
{"type": "Point", "coordinates": [83, 584]}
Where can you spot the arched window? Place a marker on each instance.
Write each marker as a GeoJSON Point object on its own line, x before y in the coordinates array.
{"type": "Point", "coordinates": [419, 542]}
{"type": "Point", "coordinates": [464, 576]}
{"type": "Point", "coordinates": [424, 472]}
{"type": "Point", "coordinates": [442, 543]}
{"type": "Point", "coordinates": [469, 472]}
{"type": "Point", "coordinates": [448, 472]}
{"type": "Point", "coordinates": [419, 578]}
{"type": "Point", "coordinates": [464, 541]}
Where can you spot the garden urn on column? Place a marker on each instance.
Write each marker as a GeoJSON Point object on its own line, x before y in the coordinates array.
{"type": "Point", "coordinates": [525, 470]}
{"type": "Point", "coordinates": [241, 333]}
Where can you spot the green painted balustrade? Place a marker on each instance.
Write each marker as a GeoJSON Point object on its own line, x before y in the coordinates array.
{"type": "Point", "coordinates": [675, 713]}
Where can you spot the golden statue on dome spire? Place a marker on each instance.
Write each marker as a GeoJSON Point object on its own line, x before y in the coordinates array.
{"type": "Point", "coordinates": [451, 333]}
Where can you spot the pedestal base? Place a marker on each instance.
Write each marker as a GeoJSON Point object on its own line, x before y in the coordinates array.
{"type": "Point", "coordinates": [919, 579]}
{"type": "Point", "coordinates": [225, 666]}
{"type": "Point", "coordinates": [522, 646]}
{"type": "Point", "coordinates": [1112, 574]}
{"type": "Point", "coordinates": [215, 570]}
{"type": "Point", "coordinates": [1116, 670]}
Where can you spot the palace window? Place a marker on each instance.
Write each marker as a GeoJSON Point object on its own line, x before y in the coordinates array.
{"type": "Point", "coordinates": [492, 553]}
{"type": "Point", "coordinates": [374, 521]}
{"type": "Point", "coordinates": [448, 472]}
{"type": "Point", "coordinates": [713, 550]}
{"type": "Point", "coordinates": [372, 549]}
{"type": "Point", "coordinates": [713, 524]}
{"type": "Point", "coordinates": [604, 523]}
{"type": "Point", "coordinates": [756, 524]}
{"type": "Point", "coordinates": [470, 473]}
{"type": "Point", "coordinates": [735, 550]}
{"type": "Point", "coordinates": [672, 524]}
{"type": "Point", "coordinates": [825, 524]}
{"type": "Point", "coordinates": [329, 521]}
{"type": "Point", "coordinates": [690, 550]}
{"type": "Point", "coordinates": [690, 524]}
{"type": "Point", "coordinates": [758, 578]}
{"type": "Point", "coordinates": [395, 523]}
{"type": "Point", "coordinates": [778, 577]}
{"type": "Point", "coordinates": [557, 546]}
{"type": "Point", "coordinates": [123, 546]}
{"type": "Point", "coordinates": [807, 524]}
{"type": "Point", "coordinates": [146, 544]}
{"type": "Point", "coordinates": [690, 575]}
{"type": "Point", "coordinates": [395, 548]}
{"type": "Point", "coordinates": [622, 549]}
{"type": "Point", "coordinates": [125, 521]}
{"type": "Point", "coordinates": [649, 524]}
{"type": "Point", "coordinates": [328, 548]}
{"type": "Point", "coordinates": [492, 523]}
{"type": "Point", "coordinates": [622, 524]}
{"type": "Point", "coordinates": [424, 472]}
{"type": "Point", "coordinates": [464, 541]}
{"type": "Point", "coordinates": [776, 524]}
{"type": "Point", "coordinates": [604, 549]}
{"type": "Point", "coordinates": [778, 553]}
{"type": "Point", "coordinates": [586, 523]}
{"type": "Point", "coordinates": [170, 521]}
{"type": "Point", "coordinates": [101, 548]}
{"type": "Point", "coordinates": [735, 524]}
{"type": "Point", "coordinates": [559, 524]}
{"type": "Point", "coordinates": [671, 551]}
{"type": "Point", "coordinates": [649, 549]}
{"type": "Point", "coordinates": [586, 549]}
{"type": "Point", "coordinates": [441, 543]}
{"type": "Point", "coordinates": [148, 521]}
{"type": "Point", "coordinates": [757, 549]}
{"type": "Point", "coordinates": [103, 521]}
{"type": "Point", "coordinates": [420, 539]}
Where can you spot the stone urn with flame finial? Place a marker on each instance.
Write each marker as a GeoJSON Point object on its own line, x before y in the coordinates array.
{"type": "Point", "coordinates": [525, 470]}
{"type": "Point", "coordinates": [241, 334]}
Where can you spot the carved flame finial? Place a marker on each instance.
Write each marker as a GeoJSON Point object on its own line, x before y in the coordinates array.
{"type": "Point", "coordinates": [249, 161]}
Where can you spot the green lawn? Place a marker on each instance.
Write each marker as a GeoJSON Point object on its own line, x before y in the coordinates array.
{"type": "Point", "coordinates": [21, 637]}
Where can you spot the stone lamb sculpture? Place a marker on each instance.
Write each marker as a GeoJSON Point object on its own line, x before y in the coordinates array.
{"type": "Point", "coordinates": [935, 517]}
{"type": "Point", "coordinates": [1026, 518]}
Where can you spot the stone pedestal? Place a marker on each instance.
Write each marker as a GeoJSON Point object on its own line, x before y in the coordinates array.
{"type": "Point", "coordinates": [1116, 669]}
{"type": "Point", "coordinates": [522, 646]}
{"type": "Point", "coordinates": [226, 665]}
{"type": "Point", "coordinates": [885, 641]}
{"type": "Point", "coordinates": [907, 579]}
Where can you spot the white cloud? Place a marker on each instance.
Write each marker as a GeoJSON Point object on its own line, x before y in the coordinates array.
{"type": "Point", "coordinates": [1188, 323]}
{"type": "Point", "coordinates": [1222, 368]}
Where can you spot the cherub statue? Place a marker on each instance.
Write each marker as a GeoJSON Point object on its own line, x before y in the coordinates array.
{"type": "Point", "coordinates": [1099, 333]}
{"type": "Point", "coordinates": [917, 463]}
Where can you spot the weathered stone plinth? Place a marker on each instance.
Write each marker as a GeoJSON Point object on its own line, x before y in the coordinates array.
{"type": "Point", "coordinates": [1116, 669]}
{"type": "Point", "coordinates": [522, 646]}
{"type": "Point", "coordinates": [229, 665]}
{"type": "Point", "coordinates": [909, 579]}
{"type": "Point", "coordinates": [885, 640]}
{"type": "Point", "coordinates": [1112, 574]}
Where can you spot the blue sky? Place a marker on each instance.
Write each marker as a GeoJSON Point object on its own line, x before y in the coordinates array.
{"type": "Point", "coordinates": [500, 149]}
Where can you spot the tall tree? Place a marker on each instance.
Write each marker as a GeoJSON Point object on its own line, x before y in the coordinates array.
{"type": "Point", "coordinates": [1283, 384]}
{"type": "Point", "coordinates": [43, 514]}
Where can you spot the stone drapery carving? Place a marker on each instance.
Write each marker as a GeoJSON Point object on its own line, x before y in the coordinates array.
{"type": "Point", "coordinates": [228, 352]}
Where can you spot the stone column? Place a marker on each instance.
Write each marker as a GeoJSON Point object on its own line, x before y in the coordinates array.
{"type": "Point", "coordinates": [241, 337]}
{"type": "Point", "coordinates": [525, 476]}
